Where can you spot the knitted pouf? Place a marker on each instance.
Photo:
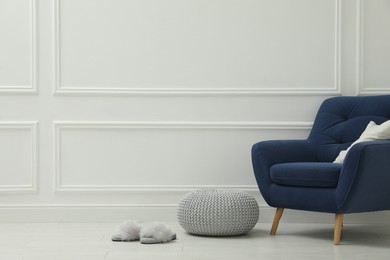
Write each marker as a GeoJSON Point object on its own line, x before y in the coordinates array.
{"type": "Point", "coordinates": [218, 212]}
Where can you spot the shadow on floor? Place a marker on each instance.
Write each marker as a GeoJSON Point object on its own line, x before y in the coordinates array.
{"type": "Point", "coordinates": [368, 235]}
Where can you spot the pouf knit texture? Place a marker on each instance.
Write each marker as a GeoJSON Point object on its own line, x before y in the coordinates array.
{"type": "Point", "coordinates": [217, 212]}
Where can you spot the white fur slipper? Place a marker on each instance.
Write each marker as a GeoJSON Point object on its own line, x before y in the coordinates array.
{"type": "Point", "coordinates": [127, 231]}
{"type": "Point", "coordinates": [156, 232]}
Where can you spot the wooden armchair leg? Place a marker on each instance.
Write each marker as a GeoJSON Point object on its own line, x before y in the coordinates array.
{"type": "Point", "coordinates": [278, 215]}
{"type": "Point", "coordinates": [338, 226]}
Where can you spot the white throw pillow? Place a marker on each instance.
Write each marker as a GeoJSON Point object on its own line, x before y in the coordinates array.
{"type": "Point", "coordinates": [373, 132]}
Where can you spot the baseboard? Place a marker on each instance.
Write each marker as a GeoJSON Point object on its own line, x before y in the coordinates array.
{"type": "Point", "coordinates": [167, 213]}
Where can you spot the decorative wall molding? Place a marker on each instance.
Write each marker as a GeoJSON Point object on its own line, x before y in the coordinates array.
{"type": "Point", "coordinates": [61, 89]}
{"type": "Point", "coordinates": [33, 128]}
{"type": "Point", "coordinates": [359, 46]}
{"type": "Point", "coordinates": [59, 126]}
{"type": "Point", "coordinates": [337, 46]}
{"type": "Point", "coordinates": [361, 88]}
{"type": "Point", "coordinates": [34, 57]}
{"type": "Point", "coordinates": [195, 91]}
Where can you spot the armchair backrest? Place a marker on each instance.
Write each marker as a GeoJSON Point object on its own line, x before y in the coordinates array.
{"type": "Point", "coordinates": [341, 120]}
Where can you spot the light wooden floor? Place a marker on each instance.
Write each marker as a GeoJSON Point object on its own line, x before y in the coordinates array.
{"type": "Point", "coordinates": [81, 241]}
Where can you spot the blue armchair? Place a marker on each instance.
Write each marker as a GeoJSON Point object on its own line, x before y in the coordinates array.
{"type": "Point", "coordinates": [299, 174]}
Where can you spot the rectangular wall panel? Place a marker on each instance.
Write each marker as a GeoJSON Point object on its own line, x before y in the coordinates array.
{"type": "Point", "coordinates": [170, 46]}
{"type": "Point", "coordinates": [373, 47]}
{"type": "Point", "coordinates": [18, 156]}
{"type": "Point", "coordinates": [18, 46]}
{"type": "Point", "coordinates": [114, 156]}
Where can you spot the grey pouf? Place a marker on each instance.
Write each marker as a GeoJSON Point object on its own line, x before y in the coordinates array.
{"type": "Point", "coordinates": [218, 212]}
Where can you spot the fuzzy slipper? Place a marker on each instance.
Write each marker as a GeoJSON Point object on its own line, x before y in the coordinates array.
{"type": "Point", "coordinates": [127, 231]}
{"type": "Point", "coordinates": [155, 233]}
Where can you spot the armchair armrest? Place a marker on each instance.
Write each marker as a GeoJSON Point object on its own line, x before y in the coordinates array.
{"type": "Point", "coordinates": [267, 153]}
{"type": "Point", "coordinates": [364, 183]}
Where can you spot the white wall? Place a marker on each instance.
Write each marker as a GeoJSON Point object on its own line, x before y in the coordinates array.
{"type": "Point", "coordinates": [114, 107]}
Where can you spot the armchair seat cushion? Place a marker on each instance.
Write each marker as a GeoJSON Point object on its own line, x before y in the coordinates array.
{"type": "Point", "coordinates": [306, 174]}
